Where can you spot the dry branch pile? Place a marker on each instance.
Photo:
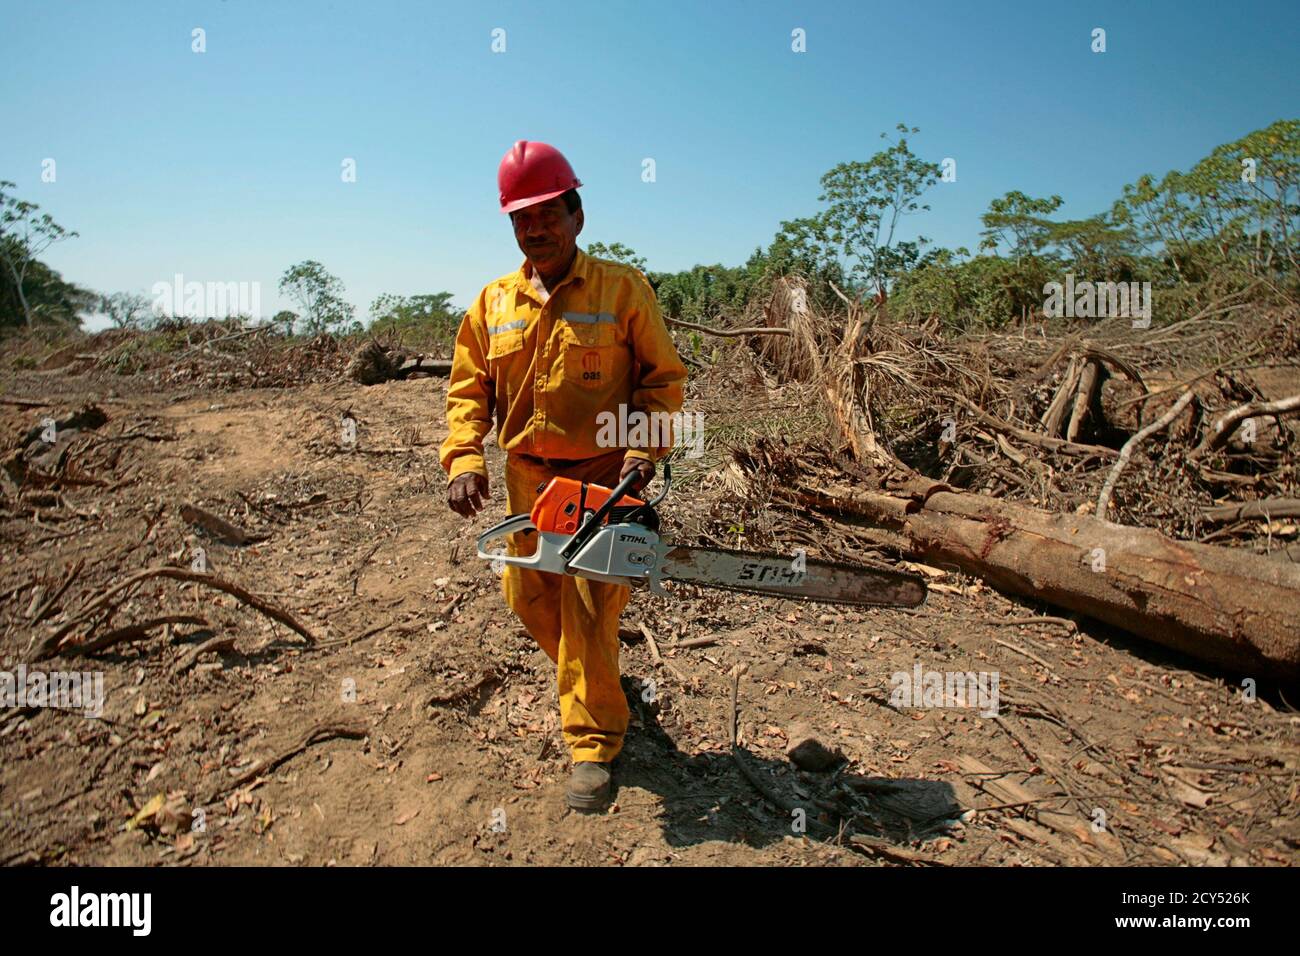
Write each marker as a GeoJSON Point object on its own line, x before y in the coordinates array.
{"type": "Point", "coordinates": [994, 454]}
{"type": "Point", "coordinates": [217, 354]}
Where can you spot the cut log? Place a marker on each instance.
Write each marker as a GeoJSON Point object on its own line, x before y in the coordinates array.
{"type": "Point", "coordinates": [1083, 398]}
{"type": "Point", "coordinates": [1267, 510]}
{"type": "Point", "coordinates": [376, 362]}
{"type": "Point", "coordinates": [424, 364]}
{"type": "Point", "coordinates": [1055, 413]}
{"type": "Point", "coordinates": [1237, 610]}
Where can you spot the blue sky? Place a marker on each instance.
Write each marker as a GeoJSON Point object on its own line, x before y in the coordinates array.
{"type": "Point", "coordinates": [225, 165]}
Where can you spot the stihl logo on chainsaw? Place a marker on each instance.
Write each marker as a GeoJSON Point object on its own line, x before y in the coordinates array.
{"type": "Point", "coordinates": [639, 539]}
{"type": "Point", "coordinates": [591, 367]}
{"type": "Point", "coordinates": [761, 572]}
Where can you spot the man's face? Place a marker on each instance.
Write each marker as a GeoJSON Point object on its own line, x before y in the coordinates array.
{"type": "Point", "coordinates": [547, 234]}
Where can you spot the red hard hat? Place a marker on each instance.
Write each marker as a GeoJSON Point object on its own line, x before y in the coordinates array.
{"type": "Point", "coordinates": [532, 173]}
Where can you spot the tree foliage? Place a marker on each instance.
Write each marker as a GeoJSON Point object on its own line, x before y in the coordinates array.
{"type": "Point", "coordinates": [126, 309]}
{"type": "Point", "coordinates": [1017, 221]}
{"type": "Point", "coordinates": [319, 297]}
{"type": "Point", "coordinates": [50, 299]}
{"type": "Point", "coordinates": [418, 320]}
{"type": "Point", "coordinates": [868, 201]}
{"type": "Point", "coordinates": [24, 237]}
{"type": "Point", "coordinates": [616, 252]}
{"type": "Point", "coordinates": [1237, 207]}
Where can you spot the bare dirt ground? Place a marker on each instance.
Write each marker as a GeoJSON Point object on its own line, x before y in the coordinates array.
{"type": "Point", "coordinates": [422, 726]}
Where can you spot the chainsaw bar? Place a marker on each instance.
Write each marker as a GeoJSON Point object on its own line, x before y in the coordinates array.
{"type": "Point", "coordinates": [774, 575]}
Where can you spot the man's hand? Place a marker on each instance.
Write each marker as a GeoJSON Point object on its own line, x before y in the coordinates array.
{"type": "Point", "coordinates": [646, 469]}
{"type": "Point", "coordinates": [466, 494]}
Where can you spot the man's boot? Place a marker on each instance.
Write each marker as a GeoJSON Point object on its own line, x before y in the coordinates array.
{"type": "Point", "coordinates": [589, 786]}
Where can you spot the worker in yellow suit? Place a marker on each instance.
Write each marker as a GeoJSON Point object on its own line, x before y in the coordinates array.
{"type": "Point", "coordinates": [548, 349]}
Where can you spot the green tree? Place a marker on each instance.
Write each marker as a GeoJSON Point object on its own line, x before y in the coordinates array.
{"type": "Point", "coordinates": [419, 320]}
{"type": "Point", "coordinates": [1096, 248]}
{"type": "Point", "coordinates": [126, 309]}
{"type": "Point", "coordinates": [24, 236]}
{"type": "Point", "coordinates": [1247, 193]}
{"type": "Point", "coordinates": [414, 308]}
{"type": "Point", "coordinates": [980, 292]}
{"type": "Point", "coordinates": [285, 320]}
{"type": "Point", "coordinates": [1016, 220]}
{"type": "Point", "coordinates": [868, 201]}
{"type": "Point", "coordinates": [801, 246]}
{"type": "Point", "coordinates": [1237, 211]}
{"type": "Point", "coordinates": [702, 292]}
{"type": "Point", "coordinates": [49, 297]}
{"type": "Point", "coordinates": [318, 295]}
{"type": "Point", "coordinates": [616, 252]}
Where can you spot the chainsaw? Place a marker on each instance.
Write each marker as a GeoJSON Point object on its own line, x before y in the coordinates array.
{"type": "Point", "coordinates": [604, 534]}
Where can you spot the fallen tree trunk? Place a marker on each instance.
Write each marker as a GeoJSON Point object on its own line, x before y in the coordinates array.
{"type": "Point", "coordinates": [1267, 509]}
{"type": "Point", "coordinates": [376, 362]}
{"type": "Point", "coordinates": [1231, 608]}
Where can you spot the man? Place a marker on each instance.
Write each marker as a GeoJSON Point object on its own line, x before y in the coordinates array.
{"type": "Point", "coordinates": [549, 348]}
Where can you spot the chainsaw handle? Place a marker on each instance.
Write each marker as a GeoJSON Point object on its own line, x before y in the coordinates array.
{"type": "Point", "coordinates": [546, 557]}
{"type": "Point", "coordinates": [668, 483]}
{"type": "Point", "coordinates": [521, 522]}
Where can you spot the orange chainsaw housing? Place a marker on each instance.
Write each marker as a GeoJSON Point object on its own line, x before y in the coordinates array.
{"type": "Point", "coordinates": [562, 503]}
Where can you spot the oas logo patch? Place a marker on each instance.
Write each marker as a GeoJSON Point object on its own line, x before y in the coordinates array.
{"type": "Point", "coordinates": [591, 366]}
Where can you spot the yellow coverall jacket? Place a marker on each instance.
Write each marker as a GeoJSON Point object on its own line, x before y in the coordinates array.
{"type": "Point", "coordinates": [547, 370]}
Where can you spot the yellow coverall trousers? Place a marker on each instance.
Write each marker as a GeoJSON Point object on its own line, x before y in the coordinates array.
{"type": "Point", "coordinates": [574, 620]}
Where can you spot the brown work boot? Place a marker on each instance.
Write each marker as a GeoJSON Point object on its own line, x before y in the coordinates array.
{"type": "Point", "coordinates": [589, 786]}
